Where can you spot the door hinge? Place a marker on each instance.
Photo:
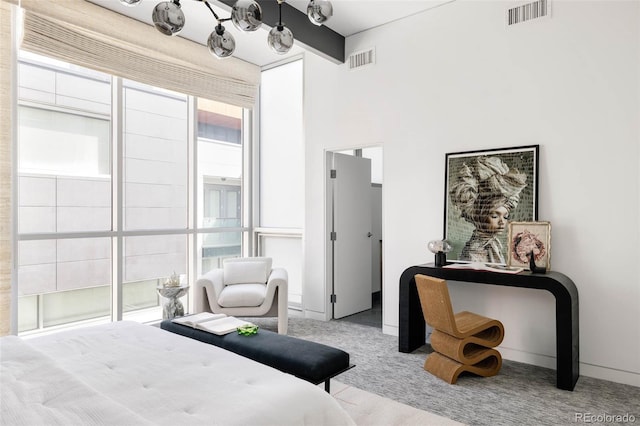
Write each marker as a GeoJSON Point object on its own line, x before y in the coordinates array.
{"type": "Point", "coordinates": [333, 236]}
{"type": "Point", "coordinates": [333, 298]}
{"type": "Point", "coordinates": [333, 173]}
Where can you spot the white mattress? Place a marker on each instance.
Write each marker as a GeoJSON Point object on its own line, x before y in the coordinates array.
{"type": "Point", "coordinates": [126, 373]}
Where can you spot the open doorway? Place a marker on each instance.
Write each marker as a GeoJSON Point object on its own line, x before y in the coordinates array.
{"type": "Point", "coordinates": [343, 283]}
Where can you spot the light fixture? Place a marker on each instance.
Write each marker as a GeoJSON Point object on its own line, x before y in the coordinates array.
{"type": "Point", "coordinates": [440, 248]}
{"type": "Point", "coordinates": [280, 38]}
{"type": "Point", "coordinates": [221, 43]}
{"type": "Point", "coordinates": [130, 2]}
{"type": "Point", "coordinates": [246, 15]}
{"type": "Point", "coordinates": [168, 18]}
{"type": "Point", "coordinates": [319, 11]}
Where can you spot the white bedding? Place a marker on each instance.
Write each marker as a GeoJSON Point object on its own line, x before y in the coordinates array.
{"type": "Point", "coordinates": [126, 373]}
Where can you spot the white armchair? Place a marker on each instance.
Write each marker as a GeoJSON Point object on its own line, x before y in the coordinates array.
{"type": "Point", "coordinates": [245, 287]}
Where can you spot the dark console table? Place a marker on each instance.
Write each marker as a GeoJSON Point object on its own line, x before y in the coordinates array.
{"type": "Point", "coordinates": [412, 325]}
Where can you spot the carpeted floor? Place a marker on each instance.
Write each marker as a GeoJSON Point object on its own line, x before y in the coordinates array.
{"type": "Point", "coordinates": [520, 394]}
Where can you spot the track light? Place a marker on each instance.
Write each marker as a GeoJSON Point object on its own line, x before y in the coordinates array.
{"type": "Point", "coordinates": [246, 15]}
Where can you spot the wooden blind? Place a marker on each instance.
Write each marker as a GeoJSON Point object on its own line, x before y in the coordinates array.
{"type": "Point", "coordinates": [88, 35]}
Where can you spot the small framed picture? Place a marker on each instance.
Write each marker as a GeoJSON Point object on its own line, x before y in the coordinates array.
{"type": "Point", "coordinates": [528, 239]}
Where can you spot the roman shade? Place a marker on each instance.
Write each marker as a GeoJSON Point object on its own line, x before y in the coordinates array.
{"type": "Point", "coordinates": [91, 36]}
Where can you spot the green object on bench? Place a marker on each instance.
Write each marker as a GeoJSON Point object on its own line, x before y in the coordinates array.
{"type": "Point", "coordinates": [248, 330]}
{"type": "Point", "coordinates": [310, 361]}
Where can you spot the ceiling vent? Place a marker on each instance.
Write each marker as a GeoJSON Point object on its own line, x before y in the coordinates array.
{"type": "Point", "coordinates": [362, 58]}
{"type": "Point", "coordinates": [527, 12]}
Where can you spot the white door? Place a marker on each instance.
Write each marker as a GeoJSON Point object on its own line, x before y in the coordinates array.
{"type": "Point", "coordinates": [351, 241]}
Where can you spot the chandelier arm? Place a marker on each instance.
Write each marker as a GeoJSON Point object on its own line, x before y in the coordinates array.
{"type": "Point", "coordinates": [206, 3]}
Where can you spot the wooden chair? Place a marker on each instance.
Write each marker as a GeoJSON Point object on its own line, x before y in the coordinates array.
{"type": "Point", "coordinates": [462, 342]}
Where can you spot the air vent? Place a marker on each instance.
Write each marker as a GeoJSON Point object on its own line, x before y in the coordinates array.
{"type": "Point", "coordinates": [362, 58]}
{"type": "Point", "coordinates": [529, 11]}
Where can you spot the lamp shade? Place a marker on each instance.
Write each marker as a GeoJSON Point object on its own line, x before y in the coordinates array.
{"type": "Point", "coordinates": [246, 15]}
{"type": "Point", "coordinates": [319, 11]}
{"type": "Point", "coordinates": [168, 18]}
{"type": "Point", "coordinates": [280, 39]}
{"type": "Point", "coordinates": [221, 43]}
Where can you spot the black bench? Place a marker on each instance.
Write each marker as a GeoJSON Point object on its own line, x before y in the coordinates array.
{"type": "Point", "coordinates": [310, 361]}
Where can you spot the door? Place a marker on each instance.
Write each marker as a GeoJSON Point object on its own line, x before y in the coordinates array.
{"type": "Point", "coordinates": [351, 237]}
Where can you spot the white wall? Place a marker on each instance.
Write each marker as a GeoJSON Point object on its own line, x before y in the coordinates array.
{"type": "Point", "coordinates": [455, 79]}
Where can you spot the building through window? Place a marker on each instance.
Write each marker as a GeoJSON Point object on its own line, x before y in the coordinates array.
{"type": "Point", "coordinates": [114, 206]}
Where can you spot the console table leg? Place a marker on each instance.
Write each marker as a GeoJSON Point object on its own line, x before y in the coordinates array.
{"type": "Point", "coordinates": [567, 343]}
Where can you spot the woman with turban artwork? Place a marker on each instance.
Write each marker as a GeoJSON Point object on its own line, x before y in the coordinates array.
{"type": "Point", "coordinates": [485, 192]}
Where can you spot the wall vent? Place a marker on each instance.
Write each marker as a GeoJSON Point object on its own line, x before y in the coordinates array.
{"type": "Point", "coordinates": [362, 58]}
{"type": "Point", "coordinates": [528, 11]}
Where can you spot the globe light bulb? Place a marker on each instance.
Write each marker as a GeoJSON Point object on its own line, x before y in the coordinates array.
{"type": "Point", "coordinates": [246, 15]}
{"type": "Point", "coordinates": [168, 17]}
{"type": "Point", "coordinates": [436, 246]}
{"type": "Point", "coordinates": [130, 3]}
{"type": "Point", "coordinates": [280, 39]}
{"type": "Point", "coordinates": [440, 248]}
{"type": "Point", "coordinates": [319, 11]}
{"type": "Point", "coordinates": [221, 43]}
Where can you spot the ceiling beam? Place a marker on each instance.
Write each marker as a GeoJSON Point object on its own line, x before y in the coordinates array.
{"type": "Point", "coordinates": [319, 38]}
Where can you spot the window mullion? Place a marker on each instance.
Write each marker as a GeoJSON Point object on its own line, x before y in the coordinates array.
{"type": "Point", "coordinates": [117, 197]}
{"type": "Point", "coordinates": [192, 198]}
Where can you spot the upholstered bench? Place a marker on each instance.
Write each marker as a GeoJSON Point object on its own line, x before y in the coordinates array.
{"type": "Point", "coordinates": [310, 361]}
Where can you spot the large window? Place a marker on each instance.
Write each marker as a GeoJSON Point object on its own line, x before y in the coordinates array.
{"type": "Point", "coordinates": [116, 192]}
{"type": "Point", "coordinates": [281, 164]}
{"type": "Point", "coordinates": [220, 181]}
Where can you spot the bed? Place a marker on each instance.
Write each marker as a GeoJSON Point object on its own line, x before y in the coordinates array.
{"type": "Point", "coordinates": [125, 373]}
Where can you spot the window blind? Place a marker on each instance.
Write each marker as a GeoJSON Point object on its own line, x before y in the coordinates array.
{"type": "Point", "coordinates": [88, 35]}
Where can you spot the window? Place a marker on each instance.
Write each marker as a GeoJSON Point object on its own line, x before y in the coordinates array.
{"type": "Point", "coordinates": [103, 213]}
{"type": "Point", "coordinates": [220, 181]}
{"type": "Point", "coordinates": [220, 122]}
{"type": "Point", "coordinates": [282, 166]}
{"type": "Point", "coordinates": [63, 143]}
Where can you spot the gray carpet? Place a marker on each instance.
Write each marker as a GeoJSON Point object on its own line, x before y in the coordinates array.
{"type": "Point", "coordinates": [520, 394]}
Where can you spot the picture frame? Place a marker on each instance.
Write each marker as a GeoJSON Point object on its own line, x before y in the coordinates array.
{"type": "Point", "coordinates": [529, 237]}
{"type": "Point", "coordinates": [482, 183]}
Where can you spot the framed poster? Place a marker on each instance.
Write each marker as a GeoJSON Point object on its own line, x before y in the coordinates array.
{"type": "Point", "coordinates": [484, 190]}
{"type": "Point", "coordinates": [529, 239]}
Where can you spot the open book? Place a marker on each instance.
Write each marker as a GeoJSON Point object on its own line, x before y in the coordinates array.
{"type": "Point", "coordinates": [212, 323]}
{"type": "Point", "coordinates": [477, 266]}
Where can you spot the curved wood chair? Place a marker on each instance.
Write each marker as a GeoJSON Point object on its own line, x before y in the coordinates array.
{"type": "Point", "coordinates": [461, 342]}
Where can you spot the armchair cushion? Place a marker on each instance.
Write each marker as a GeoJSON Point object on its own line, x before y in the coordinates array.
{"type": "Point", "coordinates": [242, 295]}
{"type": "Point", "coordinates": [246, 270]}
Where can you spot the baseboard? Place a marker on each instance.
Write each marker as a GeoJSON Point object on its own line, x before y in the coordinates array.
{"type": "Point", "coordinates": [391, 330]}
{"type": "Point", "coordinates": [610, 374]}
{"type": "Point", "coordinates": [547, 361]}
{"type": "Point", "coordinates": [320, 316]}
{"type": "Point", "coordinates": [587, 370]}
